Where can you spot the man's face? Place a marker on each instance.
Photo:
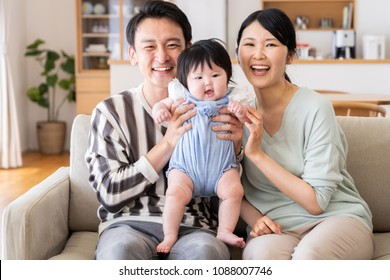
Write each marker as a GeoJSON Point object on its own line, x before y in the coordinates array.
{"type": "Point", "coordinates": [157, 46]}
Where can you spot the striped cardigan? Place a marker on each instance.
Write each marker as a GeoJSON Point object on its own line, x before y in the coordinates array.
{"type": "Point", "coordinates": [127, 186]}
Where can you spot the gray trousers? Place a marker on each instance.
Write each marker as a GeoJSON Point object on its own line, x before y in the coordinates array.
{"type": "Point", "coordinates": [131, 240]}
{"type": "Point", "coordinates": [333, 238]}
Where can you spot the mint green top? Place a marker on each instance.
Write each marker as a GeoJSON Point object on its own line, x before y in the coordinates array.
{"type": "Point", "coordinates": [311, 145]}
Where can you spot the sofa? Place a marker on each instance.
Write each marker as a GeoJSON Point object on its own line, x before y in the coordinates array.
{"type": "Point", "coordinates": [57, 218]}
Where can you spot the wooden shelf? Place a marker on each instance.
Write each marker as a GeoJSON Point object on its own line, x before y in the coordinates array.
{"type": "Point", "coordinates": [322, 29]}
{"type": "Point", "coordinates": [318, 61]}
{"type": "Point", "coordinates": [106, 16]}
{"type": "Point", "coordinates": [92, 68]}
{"type": "Point", "coordinates": [342, 61]}
{"type": "Point", "coordinates": [314, 10]}
{"type": "Point", "coordinates": [100, 35]}
{"type": "Point", "coordinates": [93, 54]}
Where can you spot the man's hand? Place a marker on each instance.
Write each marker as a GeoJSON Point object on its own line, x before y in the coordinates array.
{"type": "Point", "coordinates": [230, 124]}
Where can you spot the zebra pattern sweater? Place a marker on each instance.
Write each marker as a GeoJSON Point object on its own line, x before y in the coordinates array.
{"type": "Point", "coordinates": [127, 186]}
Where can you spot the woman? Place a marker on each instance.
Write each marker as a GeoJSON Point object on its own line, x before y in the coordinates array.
{"type": "Point", "coordinates": [300, 202]}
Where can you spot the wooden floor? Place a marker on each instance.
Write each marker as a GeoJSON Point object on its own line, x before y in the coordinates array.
{"type": "Point", "coordinates": [36, 167]}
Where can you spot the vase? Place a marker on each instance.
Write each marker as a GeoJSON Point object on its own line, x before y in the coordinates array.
{"type": "Point", "coordinates": [51, 137]}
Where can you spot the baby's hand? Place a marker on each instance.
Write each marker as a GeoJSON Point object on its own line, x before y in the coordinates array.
{"type": "Point", "coordinates": [236, 108]}
{"type": "Point", "coordinates": [162, 115]}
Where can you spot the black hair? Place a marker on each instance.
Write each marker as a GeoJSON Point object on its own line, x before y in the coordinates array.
{"type": "Point", "coordinates": [277, 23]}
{"type": "Point", "coordinates": [202, 52]}
{"type": "Point", "coordinates": [159, 10]}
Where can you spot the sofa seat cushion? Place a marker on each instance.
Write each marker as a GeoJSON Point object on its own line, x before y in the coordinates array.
{"type": "Point", "coordinates": [382, 246]}
{"type": "Point", "coordinates": [80, 246]}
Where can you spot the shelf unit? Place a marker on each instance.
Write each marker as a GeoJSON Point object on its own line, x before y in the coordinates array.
{"type": "Point", "coordinates": [101, 27]}
{"type": "Point", "coordinates": [321, 19]}
{"type": "Point", "coordinates": [315, 10]}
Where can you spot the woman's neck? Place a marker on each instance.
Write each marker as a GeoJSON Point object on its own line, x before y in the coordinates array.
{"type": "Point", "coordinates": [276, 97]}
{"type": "Point", "coordinates": [272, 102]}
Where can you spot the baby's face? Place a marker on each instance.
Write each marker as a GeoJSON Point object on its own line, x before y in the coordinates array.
{"type": "Point", "coordinates": [207, 83]}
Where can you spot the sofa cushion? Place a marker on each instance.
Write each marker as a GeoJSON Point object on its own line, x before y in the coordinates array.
{"type": "Point", "coordinates": [80, 246]}
{"type": "Point", "coordinates": [382, 246]}
{"type": "Point", "coordinates": [83, 201]}
{"type": "Point", "coordinates": [368, 162]}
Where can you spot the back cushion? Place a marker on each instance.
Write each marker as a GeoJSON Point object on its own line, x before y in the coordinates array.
{"type": "Point", "coordinates": [368, 162]}
{"type": "Point", "coordinates": [83, 201]}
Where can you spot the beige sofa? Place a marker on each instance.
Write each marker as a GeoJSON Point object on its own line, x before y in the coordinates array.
{"type": "Point", "coordinates": [57, 218]}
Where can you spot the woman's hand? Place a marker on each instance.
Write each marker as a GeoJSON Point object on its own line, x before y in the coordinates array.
{"type": "Point", "coordinates": [230, 124]}
{"type": "Point", "coordinates": [256, 129]}
{"type": "Point", "coordinates": [265, 225]}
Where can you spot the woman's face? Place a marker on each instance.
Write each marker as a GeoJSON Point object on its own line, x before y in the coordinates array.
{"type": "Point", "coordinates": [262, 57]}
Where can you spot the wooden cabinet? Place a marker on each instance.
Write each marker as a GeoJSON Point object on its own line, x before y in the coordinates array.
{"type": "Point", "coordinates": [316, 22]}
{"type": "Point", "coordinates": [101, 28]}
{"type": "Point", "coordinates": [320, 14]}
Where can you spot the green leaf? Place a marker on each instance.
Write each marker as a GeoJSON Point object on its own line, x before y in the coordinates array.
{"type": "Point", "coordinates": [36, 44]}
{"type": "Point", "coordinates": [43, 88]}
{"type": "Point", "coordinates": [37, 95]}
{"type": "Point", "coordinates": [33, 53]}
{"type": "Point", "coordinates": [68, 65]}
{"type": "Point", "coordinates": [51, 58]}
{"type": "Point", "coordinates": [44, 102]}
{"type": "Point", "coordinates": [52, 80]}
{"type": "Point", "coordinates": [64, 84]}
{"type": "Point", "coordinates": [34, 94]}
{"type": "Point", "coordinates": [53, 55]}
{"type": "Point", "coordinates": [71, 96]}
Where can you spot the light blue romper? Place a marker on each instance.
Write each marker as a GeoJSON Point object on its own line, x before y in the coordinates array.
{"type": "Point", "coordinates": [199, 153]}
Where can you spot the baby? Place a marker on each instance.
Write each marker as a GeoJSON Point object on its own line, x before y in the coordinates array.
{"type": "Point", "coordinates": [202, 164]}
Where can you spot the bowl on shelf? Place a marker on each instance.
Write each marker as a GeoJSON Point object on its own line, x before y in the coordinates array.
{"type": "Point", "coordinates": [96, 48]}
{"type": "Point", "coordinates": [99, 9]}
{"type": "Point", "coordinates": [87, 8]}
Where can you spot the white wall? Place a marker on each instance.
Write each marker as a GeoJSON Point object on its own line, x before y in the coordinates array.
{"type": "Point", "coordinates": [237, 11]}
{"type": "Point", "coordinates": [218, 18]}
{"type": "Point", "coordinates": [208, 18]}
{"type": "Point", "coordinates": [54, 21]}
{"type": "Point", "coordinates": [373, 18]}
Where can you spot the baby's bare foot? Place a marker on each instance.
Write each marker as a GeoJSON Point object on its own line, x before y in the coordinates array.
{"type": "Point", "coordinates": [165, 246]}
{"type": "Point", "coordinates": [231, 239]}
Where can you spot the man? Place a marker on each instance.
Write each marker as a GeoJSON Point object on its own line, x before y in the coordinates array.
{"type": "Point", "coordinates": [128, 152]}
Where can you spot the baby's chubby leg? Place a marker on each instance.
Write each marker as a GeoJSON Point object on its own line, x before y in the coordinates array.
{"type": "Point", "coordinates": [230, 191]}
{"type": "Point", "coordinates": [178, 195]}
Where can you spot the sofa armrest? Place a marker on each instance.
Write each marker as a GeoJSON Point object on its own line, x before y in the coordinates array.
{"type": "Point", "coordinates": [35, 225]}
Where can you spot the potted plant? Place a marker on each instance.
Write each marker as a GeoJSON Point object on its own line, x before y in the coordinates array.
{"type": "Point", "coordinates": [51, 132]}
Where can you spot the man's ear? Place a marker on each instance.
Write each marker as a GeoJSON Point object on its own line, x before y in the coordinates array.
{"type": "Point", "coordinates": [132, 56]}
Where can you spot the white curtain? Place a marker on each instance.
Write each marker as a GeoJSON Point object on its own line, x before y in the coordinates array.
{"type": "Point", "coordinates": [10, 151]}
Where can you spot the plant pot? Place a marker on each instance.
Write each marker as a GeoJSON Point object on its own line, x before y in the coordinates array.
{"type": "Point", "coordinates": [51, 137]}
